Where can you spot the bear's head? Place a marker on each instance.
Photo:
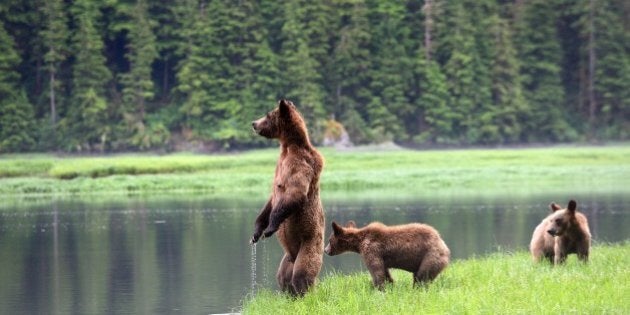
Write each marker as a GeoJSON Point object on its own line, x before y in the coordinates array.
{"type": "Point", "coordinates": [284, 123]}
{"type": "Point", "coordinates": [342, 239]}
{"type": "Point", "coordinates": [562, 219]}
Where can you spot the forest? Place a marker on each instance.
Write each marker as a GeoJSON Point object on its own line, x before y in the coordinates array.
{"type": "Point", "coordinates": [140, 75]}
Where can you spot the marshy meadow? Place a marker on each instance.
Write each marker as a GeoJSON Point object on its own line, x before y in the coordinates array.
{"type": "Point", "coordinates": [163, 233]}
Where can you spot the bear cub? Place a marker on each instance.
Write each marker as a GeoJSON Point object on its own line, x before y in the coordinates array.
{"type": "Point", "coordinates": [417, 248]}
{"type": "Point", "coordinates": [563, 232]}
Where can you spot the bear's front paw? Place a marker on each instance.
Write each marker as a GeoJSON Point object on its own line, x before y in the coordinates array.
{"type": "Point", "coordinates": [269, 231]}
{"type": "Point", "coordinates": [255, 238]}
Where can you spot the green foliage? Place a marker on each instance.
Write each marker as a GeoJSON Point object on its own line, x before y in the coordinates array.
{"type": "Point", "coordinates": [541, 54]}
{"type": "Point", "coordinates": [9, 60]}
{"type": "Point", "coordinates": [138, 87]}
{"type": "Point", "coordinates": [497, 284]}
{"type": "Point", "coordinates": [432, 115]}
{"type": "Point", "coordinates": [87, 120]}
{"type": "Point", "coordinates": [113, 73]}
{"type": "Point", "coordinates": [509, 103]}
{"type": "Point", "coordinates": [17, 125]}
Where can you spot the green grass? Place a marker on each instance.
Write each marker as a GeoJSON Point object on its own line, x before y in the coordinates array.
{"type": "Point", "coordinates": [565, 168]}
{"type": "Point", "coordinates": [502, 283]}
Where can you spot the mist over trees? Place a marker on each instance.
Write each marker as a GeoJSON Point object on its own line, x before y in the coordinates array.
{"type": "Point", "coordinates": [134, 75]}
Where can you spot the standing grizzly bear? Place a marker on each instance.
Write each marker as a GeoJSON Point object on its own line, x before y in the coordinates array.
{"type": "Point", "coordinates": [563, 232]}
{"type": "Point", "coordinates": [415, 247]}
{"type": "Point", "coordinates": [294, 209]}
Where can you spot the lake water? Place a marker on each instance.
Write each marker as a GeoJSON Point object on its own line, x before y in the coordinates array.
{"type": "Point", "coordinates": [191, 255]}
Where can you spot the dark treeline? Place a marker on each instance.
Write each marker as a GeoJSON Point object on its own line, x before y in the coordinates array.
{"type": "Point", "coordinates": [127, 75]}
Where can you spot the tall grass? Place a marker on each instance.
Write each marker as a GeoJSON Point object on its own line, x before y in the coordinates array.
{"type": "Point", "coordinates": [399, 171]}
{"type": "Point", "coordinates": [502, 283]}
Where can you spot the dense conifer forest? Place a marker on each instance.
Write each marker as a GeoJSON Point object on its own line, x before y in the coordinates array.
{"type": "Point", "coordinates": [137, 75]}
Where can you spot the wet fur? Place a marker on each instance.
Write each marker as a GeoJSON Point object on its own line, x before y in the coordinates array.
{"type": "Point", "coordinates": [294, 211]}
{"type": "Point", "coordinates": [563, 232]}
{"type": "Point", "coordinates": [417, 248]}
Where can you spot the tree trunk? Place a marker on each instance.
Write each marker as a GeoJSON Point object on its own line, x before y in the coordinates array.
{"type": "Point", "coordinates": [592, 105]}
{"type": "Point", "coordinates": [428, 24]}
{"type": "Point", "coordinates": [53, 107]}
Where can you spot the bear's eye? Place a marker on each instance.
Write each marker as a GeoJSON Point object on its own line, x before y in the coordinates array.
{"type": "Point", "coordinates": [268, 115]}
{"type": "Point", "coordinates": [558, 221]}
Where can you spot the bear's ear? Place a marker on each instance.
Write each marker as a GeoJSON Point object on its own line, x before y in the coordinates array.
{"type": "Point", "coordinates": [285, 106]}
{"type": "Point", "coordinates": [572, 206]}
{"type": "Point", "coordinates": [351, 224]}
{"type": "Point", "coordinates": [554, 207]}
{"type": "Point", "coordinates": [337, 229]}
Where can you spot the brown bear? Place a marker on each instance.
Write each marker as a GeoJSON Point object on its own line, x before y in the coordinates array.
{"type": "Point", "coordinates": [294, 209]}
{"type": "Point", "coordinates": [415, 247]}
{"type": "Point", "coordinates": [563, 232]}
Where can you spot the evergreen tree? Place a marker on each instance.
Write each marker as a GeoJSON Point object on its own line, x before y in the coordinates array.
{"type": "Point", "coordinates": [302, 44]}
{"type": "Point", "coordinates": [612, 70]}
{"type": "Point", "coordinates": [459, 69]}
{"type": "Point", "coordinates": [170, 18]}
{"type": "Point", "coordinates": [138, 86]}
{"type": "Point", "coordinates": [193, 74]}
{"type": "Point", "coordinates": [16, 124]}
{"type": "Point", "coordinates": [9, 60]}
{"type": "Point", "coordinates": [251, 70]}
{"type": "Point", "coordinates": [16, 113]}
{"type": "Point", "coordinates": [54, 36]}
{"type": "Point", "coordinates": [507, 97]}
{"type": "Point", "coordinates": [603, 67]}
{"type": "Point", "coordinates": [391, 72]}
{"type": "Point", "coordinates": [87, 120]}
{"type": "Point", "coordinates": [432, 114]}
{"type": "Point", "coordinates": [540, 54]}
{"type": "Point", "coordinates": [348, 84]}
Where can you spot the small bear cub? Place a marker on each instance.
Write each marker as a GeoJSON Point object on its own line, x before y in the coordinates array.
{"type": "Point", "coordinates": [417, 248]}
{"type": "Point", "coordinates": [563, 232]}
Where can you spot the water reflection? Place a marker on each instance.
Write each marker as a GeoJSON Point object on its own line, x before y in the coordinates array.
{"type": "Point", "coordinates": [191, 255]}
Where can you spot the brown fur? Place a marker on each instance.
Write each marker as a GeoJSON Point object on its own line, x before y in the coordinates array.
{"type": "Point", "coordinates": [415, 247]}
{"type": "Point", "coordinates": [563, 232]}
{"type": "Point", "coordinates": [294, 209]}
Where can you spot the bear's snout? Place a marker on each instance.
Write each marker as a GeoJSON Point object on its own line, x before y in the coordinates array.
{"type": "Point", "coordinates": [327, 250]}
{"type": "Point", "coordinates": [552, 232]}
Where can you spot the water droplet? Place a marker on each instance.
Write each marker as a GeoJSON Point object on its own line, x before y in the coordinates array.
{"type": "Point", "coordinates": [253, 268]}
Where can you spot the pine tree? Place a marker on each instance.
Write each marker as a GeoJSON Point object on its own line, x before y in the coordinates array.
{"type": "Point", "coordinates": [54, 36]}
{"type": "Point", "coordinates": [457, 48]}
{"type": "Point", "coordinates": [604, 67]}
{"type": "Point", "coordinates": [303, 42]}
{"type": "Point", "coordinates": [87, 120]}
{"type": "Point", "coordinates": [192, 76]}
{"type": "Point", "coordinates": [391, 72]}
{"type": "Point", "coordinates": [349, 80]}
{"type": "Point", "coordinates": [169, 15]}
{"type": "Point", "coordinates": [259, 77]}
{"type": "Point", "coordinates": [509, 104]}
{"type": "Point", "coordinates": [138, 87]}
{"type": "Point", "coordinates": [16, 124]}
{"type": "Point", "coordinates": [432, 115]}
{"type": "Point", "coordinates": [9, 60]}
{"type": "Point", "coordinates": [16, 113]}
{"type": "Point", "coordinates": [612, 70]}
{"type": "Point", "coordinates": [540, 53]}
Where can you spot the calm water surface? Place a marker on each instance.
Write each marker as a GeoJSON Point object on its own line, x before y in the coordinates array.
{"type": "Point", "coordinates": [190, 255]}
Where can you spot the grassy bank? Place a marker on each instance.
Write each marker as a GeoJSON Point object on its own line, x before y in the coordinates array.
{"type": "Point", "coordinates": [503, 283]}
{"type": "Point", "coordinates": [603, 168]}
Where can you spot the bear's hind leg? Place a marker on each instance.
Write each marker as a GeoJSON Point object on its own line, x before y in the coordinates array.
{"type": "Point", "coordinates": [285, 273]}
{"type": "Point", "coordinates": [307, 266]}
{"type": "Point", "coordinates": [430, 268]}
